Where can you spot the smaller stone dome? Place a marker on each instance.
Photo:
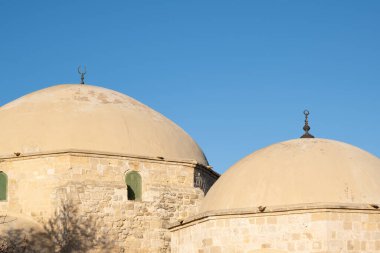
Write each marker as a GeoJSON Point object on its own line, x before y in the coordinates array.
{"type": "Point", "coordinates": [300, 171]}
{"type": "Point", "coordinates": [13, 223]}
{"type": "Point", "coordinates": [21, 234]}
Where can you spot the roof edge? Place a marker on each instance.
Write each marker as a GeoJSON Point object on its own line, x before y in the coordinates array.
{"type": "Point", "coordinates": [101, 154]}
{"type": "Point", "coordinates": [271, 210]}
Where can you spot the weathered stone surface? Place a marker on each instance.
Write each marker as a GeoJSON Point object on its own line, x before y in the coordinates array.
{"type": "Point", "coordinates": [301, 232]}
{"type": "Point", "coordinates": [96, 184]}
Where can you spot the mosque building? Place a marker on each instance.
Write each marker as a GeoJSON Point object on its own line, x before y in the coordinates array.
{"type": "Point", "coordinates": [148, 187]}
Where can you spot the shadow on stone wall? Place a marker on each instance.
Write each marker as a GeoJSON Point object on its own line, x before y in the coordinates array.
{"type": "Point", "coordinates": [65, 232]}
{"type": "Point", "coordinates": [204, 178]}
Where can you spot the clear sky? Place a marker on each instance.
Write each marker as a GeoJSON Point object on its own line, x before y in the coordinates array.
{"type": "Point", "coordinates": [236, 75]}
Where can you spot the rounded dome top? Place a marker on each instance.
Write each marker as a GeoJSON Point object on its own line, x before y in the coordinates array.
{"type": "Point", "coordinates": [85, 117]}
{"type": "Point", "coordinates": [300, 171]}
{"type": "Point", "coordinates": [18, 224]}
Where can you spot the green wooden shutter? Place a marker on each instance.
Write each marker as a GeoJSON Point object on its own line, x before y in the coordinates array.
{"type": "Point", "coordinates": [133, 181]}
{"type": "Point", "coordinates": [3, 186]}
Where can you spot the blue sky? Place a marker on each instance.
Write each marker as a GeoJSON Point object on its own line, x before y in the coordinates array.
{"type": "Point", "coordinates": [236, 75]}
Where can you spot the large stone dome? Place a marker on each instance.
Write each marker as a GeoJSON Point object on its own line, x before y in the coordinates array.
{"type": "Point", "coordinates": [84, 117]}
{"type": "Point", "coordinates": [296, 172]}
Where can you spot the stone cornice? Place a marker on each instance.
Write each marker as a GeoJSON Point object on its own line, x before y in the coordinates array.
{"type": "Point", "coordinates": [275, 210]}
{"type": "Point", "coordinates": [100, 154]}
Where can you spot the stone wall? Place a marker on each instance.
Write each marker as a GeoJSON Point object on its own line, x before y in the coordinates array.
{"type": "Point", "coordinates": [304, 231]}
{"type": "Point", "coordinates": [204, 178]}
{"type": "Point", "coordinates": [95, 183]}
{"type": "Point", "coordinates": [31, 184]}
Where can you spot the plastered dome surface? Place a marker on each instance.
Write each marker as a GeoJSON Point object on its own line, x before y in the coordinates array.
{"type": "Point", "coordinates": [84, 117]}
{"type": "Point", "coordinates": [300, 171]}
{"type": "Point", "coordinates": [18, 224]}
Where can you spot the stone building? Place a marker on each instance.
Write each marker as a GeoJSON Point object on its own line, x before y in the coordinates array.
{"type": "Point", "coordinates": [118, 161]}
{"type": "Point", "coordinates": [303, 195]}
{"type": "Point", "coordinates": [142, 180]}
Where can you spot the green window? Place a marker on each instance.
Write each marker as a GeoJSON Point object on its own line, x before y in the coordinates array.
{"type": "Point", "coordinates": [133, 181]}
{"type": "Point", "coordinates": [3, 186]}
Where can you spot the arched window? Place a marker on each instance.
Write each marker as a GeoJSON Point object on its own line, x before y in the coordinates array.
{"type": "Point", "coordinates": [3, 186]}
{"type": "Point", "coordinates": [133, 181]}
